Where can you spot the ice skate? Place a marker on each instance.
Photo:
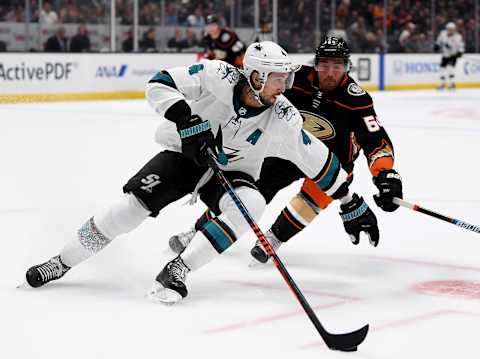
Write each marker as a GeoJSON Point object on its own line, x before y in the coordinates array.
{"type": "Point", "coordinates": [43, 273]}
{"type": "Point", "coordinates": [180, 241]}
{"type": "Point", "coordinates": [259, 254]}
{"type": "Point", "coordinates": [169, 287]}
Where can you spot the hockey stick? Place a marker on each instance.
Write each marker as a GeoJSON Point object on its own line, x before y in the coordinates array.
{"type": "Point", "coordinates": [345, 342]}
{"type": "Point", "coordinates": [457, 222]}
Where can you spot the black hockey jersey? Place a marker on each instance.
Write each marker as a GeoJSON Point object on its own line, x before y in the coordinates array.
{"type": "Point", "coordinates": [343, 119]}
{"type": "Point", "coordinates": [227, 47]}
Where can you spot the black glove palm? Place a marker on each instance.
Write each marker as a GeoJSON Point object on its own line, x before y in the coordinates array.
{"type": "Point", "coordinates": [358, 217]}
{"type": "Point", "coordinates": [389, 184]}
{"type": "Point", "coordinates": [196, 137]}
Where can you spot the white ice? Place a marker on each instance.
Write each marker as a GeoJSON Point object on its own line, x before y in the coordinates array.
{"type": "Point", "coordinates": [61, 161]}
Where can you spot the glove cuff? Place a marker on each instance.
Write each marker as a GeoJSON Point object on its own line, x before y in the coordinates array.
{"type": "Point", "coordinates": [194, 130]}
{"type": "Point", "coordinates": [346, 217]}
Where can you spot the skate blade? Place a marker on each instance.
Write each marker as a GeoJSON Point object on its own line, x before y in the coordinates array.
{"type": "Point", "coordinates": [160, 294]}
{"type": "Point", "coordinates": [254, 264]}
{"type": "Point", "coordinates": [23, 285]}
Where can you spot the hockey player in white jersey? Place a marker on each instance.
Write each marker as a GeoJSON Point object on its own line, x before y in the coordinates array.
{"type": "Point", "coordinates": [450, 44]}
{"type": "Point", "coordinates": [243, 117]}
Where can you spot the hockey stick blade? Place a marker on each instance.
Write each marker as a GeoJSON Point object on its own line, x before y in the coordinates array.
{"type": "Point", "coordinates": [347, 342]}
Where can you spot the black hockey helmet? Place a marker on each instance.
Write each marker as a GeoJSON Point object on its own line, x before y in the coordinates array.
{"type": "Point", "coordinates": [333, 47]}
{"type": "Point", "coordinates": [212, 19]}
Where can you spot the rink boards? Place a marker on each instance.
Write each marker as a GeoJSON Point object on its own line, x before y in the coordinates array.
{"type": "Point", "coordinates": [26, 77]}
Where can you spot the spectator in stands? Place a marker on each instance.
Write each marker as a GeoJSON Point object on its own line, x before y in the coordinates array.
{"type": "Point", "coordinates": [81, 41]}
{"type": "Point", "coordinates": [127, 44]}
{"type": "Point", "coordinates": [58, 42]}
{"type": "Point", "coordinates": [47, 15]}
{"type": "Point", "coordinates": [148, 43]}
{"type": "Point", "coordinates": [339, 31]}
{"type": "Point", "coordinates": [405, 41]}
{"type": "Point", "coordinates": [357, 33]}
{"type": "Point", "coordinates": [191, 37]}
{"type": "Point", "coordinates": [178, 41]}
{"type": "Point", "coordinates": [196, 19]}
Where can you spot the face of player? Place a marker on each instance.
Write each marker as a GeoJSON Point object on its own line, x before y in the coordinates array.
{"type": "Point", "coordinates": [276, 85]}
{"type": "Point", "coordinates": [212, 29]}
{"type": "Point", "coordinates": [330, 72]}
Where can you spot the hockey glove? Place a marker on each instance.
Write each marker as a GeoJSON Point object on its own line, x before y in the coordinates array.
{"type": "Point", "coordinates": [458, 55]}
{"type": "Point", "coordinates": [358, 217]}
{"type": "Point", "coordinates": [436, 47]}
{"type": "Point", "coordinates": [389, 184]}
{"type": "Point", "coordinates": [196, 137]}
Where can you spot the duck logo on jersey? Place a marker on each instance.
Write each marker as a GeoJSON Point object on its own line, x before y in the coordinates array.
{"type": "Point", "coordinates": [355, 90]}
{"type": "Point", "coordinates": [318, 126]}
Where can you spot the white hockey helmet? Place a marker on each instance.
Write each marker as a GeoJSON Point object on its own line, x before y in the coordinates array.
{"type": "Point", "coordinates": [266, 57]}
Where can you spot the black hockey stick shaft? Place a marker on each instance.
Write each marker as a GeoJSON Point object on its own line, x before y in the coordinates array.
{"type": "Point", "coordinates": [343, 342]}
{"type": "Point", "coordinates": [456, 222]}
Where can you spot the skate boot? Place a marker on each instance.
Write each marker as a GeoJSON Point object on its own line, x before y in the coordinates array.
{"type": "Point", "coordinates": [170, 286]}
{"type": "Point", "coordinates": [259, 253]}
{"type": "Point", "coordinates": [43, 273]}
{"type": "Point", "coordinates": [180, 241]}
{"type": "Point", "coordinates": [452, 86]}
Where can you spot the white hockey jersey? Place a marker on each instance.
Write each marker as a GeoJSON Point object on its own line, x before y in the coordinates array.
{"type": "Point", "coordinates": [450, 45]}
{"type": "Point", "coordinates": [249, 135]}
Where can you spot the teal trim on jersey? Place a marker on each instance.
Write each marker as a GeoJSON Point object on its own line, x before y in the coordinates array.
{"type": "Point", "coordinates": [222, 241]}
{"type": "Point", "coordinates": [222, 158]}
{"type": "Point", "coordinates": [254, 136]}
{"type": "Point", "coordinates": [306, 140]}
{"type": "Point", "coordinates": [164, 78]}
{"type": "Point", "coordinates": [325, 181]}
{"type": "Point", "coordinates": [192, 70]}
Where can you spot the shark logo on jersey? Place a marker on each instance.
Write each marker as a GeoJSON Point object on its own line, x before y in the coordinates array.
{"type": "Point", "coordinates": [284, 110]}
{"type": "Point", "coordinates": [232, 154]}
{"type": "Point", "coordinates": [228, 72]}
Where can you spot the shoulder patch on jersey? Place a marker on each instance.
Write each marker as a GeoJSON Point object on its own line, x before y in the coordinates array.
{"type": "Point", "coordinates": [285, 111]}
{"type": "Point", "coordinates": [225, 37]}
{"type": "Point", "coordinates": [355, 90]}
{"type": "Point", "coordinates": [228, 72]}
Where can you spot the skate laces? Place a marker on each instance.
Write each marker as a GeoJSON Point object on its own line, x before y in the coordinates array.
{"type": "Point", "coordinates": [178, 270]}
{"type": "Point", "coordinates": [186, 237]}
{"type": "Point", "coordinates": [51, 269]}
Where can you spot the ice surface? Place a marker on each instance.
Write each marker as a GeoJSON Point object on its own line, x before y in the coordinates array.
{"type": "Point", "coordinates": [61, 161]}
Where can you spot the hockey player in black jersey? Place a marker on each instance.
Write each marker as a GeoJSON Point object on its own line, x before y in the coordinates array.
{"type": "Point", "coordinates": [340, 113]}
{"type": "Point", "coordinates": [222, 44]}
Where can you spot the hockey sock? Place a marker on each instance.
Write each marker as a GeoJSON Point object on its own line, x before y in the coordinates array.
{"type": "Point", "coordinates": [204, 218]}
{"type": "Point", "coordinates": [102, 228]}
{"type": "Point", "coordinates": [295, 217]}
{"type": "Point", "coordinates": [214, 238]}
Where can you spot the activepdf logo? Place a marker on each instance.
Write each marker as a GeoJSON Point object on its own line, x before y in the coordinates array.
{"type": "Point", "coordinates": [471, 67]}
{"type": "Point", "coordinates": [45, 72]}
{"type": "Point", "coordinates": [111, 71]}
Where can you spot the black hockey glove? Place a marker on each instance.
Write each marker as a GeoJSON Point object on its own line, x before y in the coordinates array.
{"type": "Point", "coordinates": [358, 217]}
{"type": "Point", "coordinates": [436, 48]}
{"type": "Point", "coordinates": [458, 55]}
{"type": "Point", "coordinates": [196, 137]}
{"type": "Point", "coordinates": [389, 184]}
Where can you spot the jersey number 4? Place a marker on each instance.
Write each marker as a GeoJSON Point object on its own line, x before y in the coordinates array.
{"type": "Point", "coordinates": [372, 123]}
